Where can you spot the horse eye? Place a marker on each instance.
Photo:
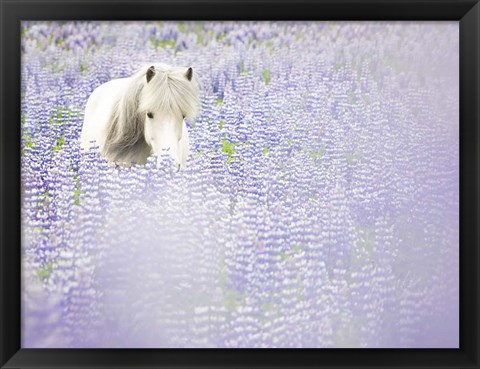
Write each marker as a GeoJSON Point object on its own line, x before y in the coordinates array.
{"type": "Point", "coordinates": [150, 115]}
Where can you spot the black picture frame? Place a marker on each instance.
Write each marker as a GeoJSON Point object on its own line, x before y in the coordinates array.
{"type": "Point", "coordinates": [467, 12]}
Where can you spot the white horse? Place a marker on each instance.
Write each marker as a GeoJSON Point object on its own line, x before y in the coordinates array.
{"type": "Point", "coordinates": [129, 119]}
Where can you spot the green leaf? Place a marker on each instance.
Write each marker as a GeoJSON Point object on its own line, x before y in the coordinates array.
{"type": "Point", "coordinates": [228, 147]}
{"type": "Point", "coordinates": [181, 27]}
{"type": "Point", "coordinates": [77, 191]}
{"type": "Point", "coordinates": [162, 43]}
{"type": "Point", "coordinates": [58, 144]}
{"type": "Point", "coordinates": [61, 115]}
{"type": "Point", "coordinates": [83, 67]}
{"type": "Point", "coordinates": [45, 272]}
{"type": "Point", "coordinates": [29, 142]}
{"type": "Point", "coordinates": [315, 154]}
{"type": "Point", "coordinates": [266, 75]}
{"type": "Point", "coordinates": [199, 31]}
{"type": "Point", "coordinates": [243, 71]}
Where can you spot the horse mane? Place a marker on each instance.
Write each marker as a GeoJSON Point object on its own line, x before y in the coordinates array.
{"type": "Point", "coordinates": [125, 138]}
{"type": "Point", "coordinates": [168, 91]}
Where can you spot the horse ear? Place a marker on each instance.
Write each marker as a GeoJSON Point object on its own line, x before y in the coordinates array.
{"type": "Point", "coordinates": [150, 73]}
{"type": "Point", "coordinates": [189, 73]}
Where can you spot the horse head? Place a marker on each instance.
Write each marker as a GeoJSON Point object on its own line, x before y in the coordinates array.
{"type": "Point", "coordinates": [169, 95]}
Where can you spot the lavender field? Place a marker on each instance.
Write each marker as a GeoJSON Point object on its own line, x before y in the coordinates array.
{"type": "Point", "coordinates": [318, 207]}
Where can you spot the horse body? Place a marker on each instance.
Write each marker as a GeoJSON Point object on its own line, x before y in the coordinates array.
{"type": "Point", "coordinates": [98, 112]}
{"type": "Point", "coordinates": [129, 119]}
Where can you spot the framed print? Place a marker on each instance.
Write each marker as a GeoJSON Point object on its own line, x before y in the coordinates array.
{"type": "Point", "coordinates": [239, 184]}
